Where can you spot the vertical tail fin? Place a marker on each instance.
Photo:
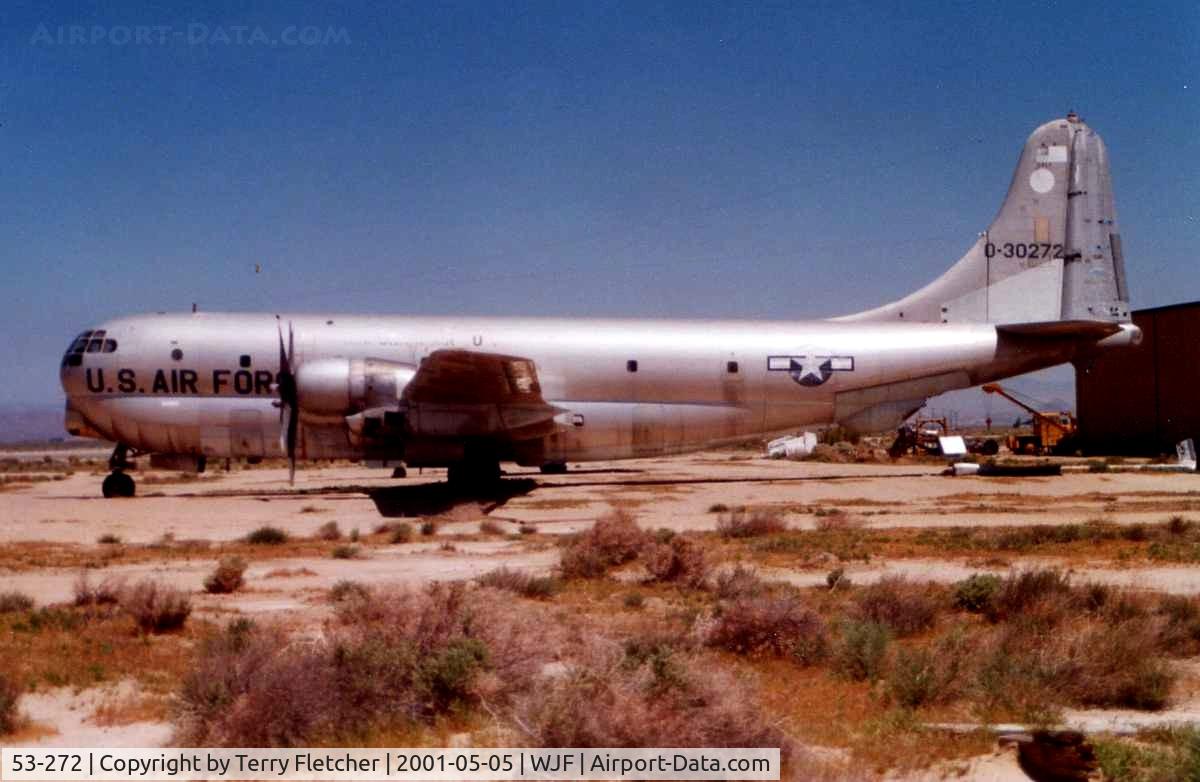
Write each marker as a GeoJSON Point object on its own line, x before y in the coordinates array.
{"type": "Point", "coordinates": [1053, 252]}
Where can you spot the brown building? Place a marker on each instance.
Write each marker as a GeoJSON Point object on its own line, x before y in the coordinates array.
{"type": "Point", "coordinates": [1143, 400]}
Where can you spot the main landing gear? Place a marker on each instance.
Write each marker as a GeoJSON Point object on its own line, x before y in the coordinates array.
{"type": "Point", "coordinates": [118, 483]}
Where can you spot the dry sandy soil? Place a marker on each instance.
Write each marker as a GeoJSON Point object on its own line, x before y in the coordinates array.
{"type": "Point", "coordinates": [69, 515]}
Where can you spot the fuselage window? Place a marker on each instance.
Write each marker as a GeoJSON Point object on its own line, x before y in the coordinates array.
{"type": "Point", "coordinates": [177, 354]}
{"type": "Point", "coordinates": [244, 362]}
{"type": "Point", "coordinates": [631, 365]}
{"type": "Point", "coordinates": [731, 367]}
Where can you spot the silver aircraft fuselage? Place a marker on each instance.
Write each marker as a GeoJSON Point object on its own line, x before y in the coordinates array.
{"type": "Point", "coordinates": [204, 384]}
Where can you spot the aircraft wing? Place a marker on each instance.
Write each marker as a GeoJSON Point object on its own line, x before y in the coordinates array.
{"type": "Point", "coordinates": [463, 393]}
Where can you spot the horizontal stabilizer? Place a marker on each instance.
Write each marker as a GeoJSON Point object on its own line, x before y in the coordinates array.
{"type": "Point", "coordinates": [1062, 329]}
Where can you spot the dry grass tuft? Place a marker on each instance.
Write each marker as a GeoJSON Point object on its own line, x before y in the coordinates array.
{"type": "Point", "coordinates": [228, 577]}
{"type": "Point", "coordinates": [750, 523]}
{"type": "Point", "coordinates": [107, 592]}
{"type": "Point", "coordinates": [836, 520]}
{"type": "Point", "coordinates": [12, 602]}
{"type": "Point", "coordinates": [156, 607]}
{"type": "Point", "coordinates": [522, 583]}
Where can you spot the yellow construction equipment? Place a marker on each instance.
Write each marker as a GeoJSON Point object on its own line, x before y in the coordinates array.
{"type": "Point", "coordinates": [1053, 432]}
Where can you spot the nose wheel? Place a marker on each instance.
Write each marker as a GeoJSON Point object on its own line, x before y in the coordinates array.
{"type": "Point", "coordinates": [119, 483]}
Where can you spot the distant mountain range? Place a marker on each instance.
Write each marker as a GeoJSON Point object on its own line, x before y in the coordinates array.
{"type": "Point", "coordinates": [34, 422]}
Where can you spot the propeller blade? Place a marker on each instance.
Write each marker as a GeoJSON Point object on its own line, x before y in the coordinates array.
{"type": "Point", "coordinates": [293, 426]}
{"type": "Point", "coordinates": [289, 402]}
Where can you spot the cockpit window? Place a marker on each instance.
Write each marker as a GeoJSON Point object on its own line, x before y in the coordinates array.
{"type": "Point", "coordinates": [80, 343]}
{"type": "Point", "coordinates": [88, 342]}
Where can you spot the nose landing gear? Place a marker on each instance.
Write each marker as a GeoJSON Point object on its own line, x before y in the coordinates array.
{"type": "Point", "coordinates": [119, 483]}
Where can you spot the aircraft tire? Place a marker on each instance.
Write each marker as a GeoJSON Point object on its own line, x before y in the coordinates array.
{"type": "Point", "coordinates": [118, 484]}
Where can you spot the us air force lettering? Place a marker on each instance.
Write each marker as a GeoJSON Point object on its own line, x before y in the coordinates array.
{"type": "Point", "coordinates": [1043, 285]}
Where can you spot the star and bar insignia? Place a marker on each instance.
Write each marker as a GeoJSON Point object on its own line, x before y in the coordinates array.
{"type": "Point", "coordinates": [810, 369]}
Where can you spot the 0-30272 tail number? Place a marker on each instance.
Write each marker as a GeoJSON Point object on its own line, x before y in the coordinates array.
{"type": "Point", "coordinates": [1030, 250]}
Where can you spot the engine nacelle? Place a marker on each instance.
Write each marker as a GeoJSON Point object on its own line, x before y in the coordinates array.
{"type": "Point", "coordinates": [329, 389]}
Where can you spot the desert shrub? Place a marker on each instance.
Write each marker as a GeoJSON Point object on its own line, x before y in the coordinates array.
{"type": "Point", "coordinates": [634, 600]}
{"type": "Point", "coordinates": [1044, 592]}
{"type": "Point", "coordinates": [741, 581]}
{"type": "Point", "coordinates": [490, 527]}
{"type": "Point", "coordinates": [156, 607]}
{"type": "Point", "coordinates": [345, 552]}
{"type": "Point", "coordinates": [107, 592]}
{"type": "Point", "coordinates": [228, 577]}
{"type": "Point", "coordinates": [902, 606]}
{"type": "Point", "coordinates": [837, 579]}
{"type": "Point", "coordinates": [928, 675]}
{"type": "Point", "coordinates": [617, 700]}
{"type": "Point", "coordinates": [348, 590]}
{"type": "Point", "coordinates": [429, 527]}
{"type": "Point", "coordinates": [353, 536]}
{"type": "Point", "coordinates": [1135, 533]}
{"type": "Point", "coordinates": [108, 539]}
{"type": "Point", "coordinates": [10, 694]}
{"type": "Point", "coordinates": [527, 529]}
{"type": "Point", "coordinates": [977, 592]}
{"type": "Point", "coordinates": [402, 533]}
{"type": "Point", "coordinates": [1161, 755]}
{"type": "Point", "coordinates": [1115, 667]}
{"type": "Point", "coordinates": [718, 507]}
{"type": "Point", "coordinates": [267, 536]}
{"type": "Point", "coordinates": [1178, 525]}
{"type": "Point", "coordinates": [391, 660]}
{"type": "Point", "coordinates": [614, 539]}
{"type": "Point", "coordinates": [836, 520]}
{"type": "Point", "coordinates": [750, 523]}
{"type": "Point", "coordinates": [526, 584]}
{"type": "Point", "coordinates": [1009, 677]}
{"type": "Point", "coordinates": [680, 560]}
{"type": "Point", "coordinates": [12, 602]}
{"type": "Point", "coordinates": [772, 625]}
{"type": "Point", "coordinates": [1179, 628]}
{"type": "Point", "coordinates": [860, 650]}
{"type": "Point", "coordinates": [328, 531]}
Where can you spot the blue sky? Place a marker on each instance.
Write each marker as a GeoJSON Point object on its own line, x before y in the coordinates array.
{"type": "Point", "coordinates": [692, 160]}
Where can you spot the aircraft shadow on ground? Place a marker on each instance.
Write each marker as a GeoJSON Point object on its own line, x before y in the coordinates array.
{"type": "Point", "coordinates": [430, 499]}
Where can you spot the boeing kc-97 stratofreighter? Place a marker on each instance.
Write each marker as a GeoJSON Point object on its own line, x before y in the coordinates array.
{"type": "Point", "coordinates": [1043, 285]}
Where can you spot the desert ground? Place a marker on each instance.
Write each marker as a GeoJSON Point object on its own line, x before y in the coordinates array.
{"type": "Point", "coordinates": [853, 523]}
